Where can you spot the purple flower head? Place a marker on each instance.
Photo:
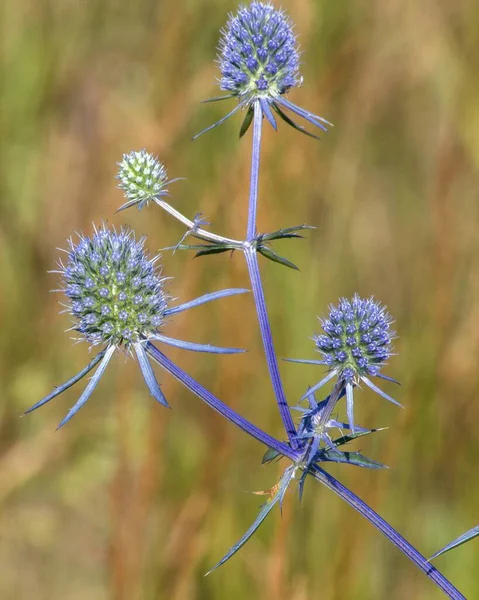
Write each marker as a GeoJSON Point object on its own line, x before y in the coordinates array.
{"type": "Point", "coordinates": [115, 295]}
{"type": "Point", "coordinates": [259, 64]}
{"type": "Point", "coordinates": [356, 343]}
{"type": "Point", "coordinates": [356, 339]}
{"type": "Point", "coordinates": [114, 289]}
{"type": "Point", "coordinates": [259, 55]}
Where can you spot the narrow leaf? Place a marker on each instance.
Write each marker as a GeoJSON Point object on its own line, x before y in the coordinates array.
{"type": "Point", "coordinates": [285, 233]}
{"type": "Point", "coordinates": [462, 539]}
{"type": "Point", "coordinates": [379, 391]}
{"type": "Point", "coordinates": [268, 253]}
{"type": "Point", "coordinates": [270, 455]}
{"type": "Point", "coordinates": [264, 512]}
{"type": "Point", "coordinates": [149, 376]}
{"type": "Point", "coordinates": [61, 388]}
{"type": "Point", "coordinates": [222, 120]}
{"type": "Point", "coordinates": [292, 124]}
{"type": "Point", "coordinates": [323, 381]}
{"type": "Point", "coordinates": [213, 251]}
{"type": "Point", "coordinates": [345, 439]}
{"type": "Point", "coordinates": [311, 117]}
{"type": "Point", "coordinates": [217, 99]}
{"type": "Point", "coordinates": [266, 110]}
{"type": "Point", "coordinates": [204, 299]}
{"type": "Point", "coordinates": [248, 119]}
{"type": "Point", "coordinates": [196, 347]}
{"type": "Point", "coordinates": [351, 458]}
{"type": "Point", "coordinates": [90, 387]}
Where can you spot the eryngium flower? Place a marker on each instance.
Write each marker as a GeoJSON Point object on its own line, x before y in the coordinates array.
{"type": "Point", "coordinates": [114, 290]}
{"type": "Point", "coordinates": [142, 178]}
{"type": "Point", "coordinates": [115, 294]}
{"type": "Point", "coordinates": [259, 63]}
{"type": "Point", "coordinates": [356, 343]}
{"type": "Point", "coordinates": [259, 54]}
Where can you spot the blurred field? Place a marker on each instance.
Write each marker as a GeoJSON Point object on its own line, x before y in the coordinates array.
{"type": "Point", "coordinates": [134, 502]}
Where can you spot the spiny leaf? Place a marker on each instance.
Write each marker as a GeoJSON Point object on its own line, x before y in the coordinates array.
{"type": "Point", "coordinates": [213, 251]}
{"type": "Point", "coordinates": [352, 436]}
{"type": "Point", "coordinates": [288, 232]}
{"type": "Point", "coordinates": [268, 253]}
{"type": "Point", "coordinates": [270, 455]}
{"type": "Point", "coordinates": [462, 539]}
{"type": "Point", "coordinates": [290, 122]}
{"type": "Point", "coordinates": [247, 121]}
{"type": "Point", "coordinates": [277, 494]}
{"type": "Point", "coordinates": [351, 458]}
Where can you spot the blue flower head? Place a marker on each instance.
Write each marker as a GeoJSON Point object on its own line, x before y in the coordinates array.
{"type": "Point", "coordinates": [259, 55]}
{"type": "Point", "coordinates": [142, 178]}
{"type": "Point", "coordinates": [356, 343]}
{"type": "Point", "coordinates": [115, 294]}
{"type": "Point", "coordinates": [259, 63]}
{"type": "Point", "coordinates": [115, 291]}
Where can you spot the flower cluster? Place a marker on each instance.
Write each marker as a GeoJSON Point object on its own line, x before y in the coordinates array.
{"type": "Point", "coordinates": [259, 64]}
{"type": "Point", "coordinates": [356, 343]}
{"type": "Point", "coordinates": [357, 339]}
{"type": "Point", "coordinates": [114, 290]}
{"type": "Point", "coordinates": [142, 177]}
{"type": "Point", "coordinates": [258, 53]}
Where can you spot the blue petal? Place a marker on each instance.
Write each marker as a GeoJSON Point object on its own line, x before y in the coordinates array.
{"type": "Point", "coordinates": [196, 347]}
{"type": "Point", "coordinates": [375, 388]}
{"type": "Point", "coordinates": [222, 120]}
{"type": "Point", "coordinates": [90, 387]}
{"type": "Point", "coordinates": [203, 299]}
{"type": "Point", "coordinates": [329, 376]}
{"type": "Point", "coordinates": [61, 388]}
{"type": "Point", "coordinates": [311, 117]}
{"type": "Point", "coordinates": [148, 375]}
{"type": "Point", "coordinates": [266, 110]}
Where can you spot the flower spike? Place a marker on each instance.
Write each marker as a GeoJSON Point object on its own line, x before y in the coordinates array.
{"type": "Point", "coordinates": [259, 64]}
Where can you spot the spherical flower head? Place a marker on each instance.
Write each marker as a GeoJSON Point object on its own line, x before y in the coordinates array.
{"type": "Point", "coordinates": [357, 338]}
{"type": "Point", "coordinates": [142, 178]}
{"type": "Point", "coordinates": [114, 290]}
{"type": "Point", "coordinates": [258, 53]}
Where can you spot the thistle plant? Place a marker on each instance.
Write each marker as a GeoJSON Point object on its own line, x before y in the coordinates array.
{"type": "Point", "coordinates": [116, 294]}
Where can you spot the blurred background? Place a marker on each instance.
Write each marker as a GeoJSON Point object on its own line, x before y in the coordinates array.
{"type": "Point", "coordinates": [134, 502]}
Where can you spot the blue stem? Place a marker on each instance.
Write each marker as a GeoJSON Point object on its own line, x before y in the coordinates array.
{"type": "Point", "coordinates": [256, 286]}
{"type": "Point", "coordinates": [393, 536]}
{"type": "Point", "coordinates": [219, 406]}
{"type": "Point", "coordinates": [253, 187]}
{"type": "Point", "coordinates": [322, 476]}
{"type": "Point", "coordinates": [255, 278]}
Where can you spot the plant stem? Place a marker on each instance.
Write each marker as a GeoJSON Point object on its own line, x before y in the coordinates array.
{"type": "Point", "coordinates": [393, 536]}
{"type": "Point", "coordinates": [216, 404]}
{"type": "Point", "coordinates": [256, 285]}
{"type": "Point", "coordinates": [202, 234]}
{"type": "Point", "coordinates": [253, 186]}
{"type": "Point", "coordinates": [259, 300]}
